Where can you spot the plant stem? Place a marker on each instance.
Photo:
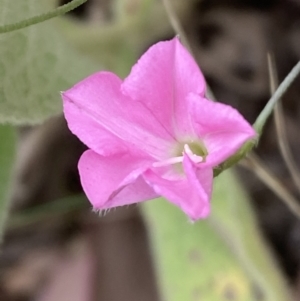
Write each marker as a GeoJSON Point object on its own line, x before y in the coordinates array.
{"type": "Point", "coordinates": [41, 18]}
{"type": "Point", "coordinates": [281, 133]}
{"type": "Point", "coordinates": [41, 212]}
{"type": "Point", "coordinates": [254, 164]}
{"type": "Point", "coordinates": [268, 109]}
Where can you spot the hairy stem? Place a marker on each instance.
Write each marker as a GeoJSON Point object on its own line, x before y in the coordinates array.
{"type": "Point", "coordinates": [41, 18]}
{"type": "Point", "coordinates": [282, 139]}
{"type": "Point", "coordinates": [175, 22]}
{"type": "Point", "coordinates": [254, 164]}
{"type": "Point", "coordinates": [268, 109]}
{"type": "Point", "coordinates": [177, 27]}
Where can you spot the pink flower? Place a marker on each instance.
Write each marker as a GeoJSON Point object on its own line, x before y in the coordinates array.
{"type": "Point", "coordinates": [153, 134]}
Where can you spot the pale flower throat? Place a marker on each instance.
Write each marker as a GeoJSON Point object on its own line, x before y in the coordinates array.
{"type": "Point", "coordinates": [196, 151]}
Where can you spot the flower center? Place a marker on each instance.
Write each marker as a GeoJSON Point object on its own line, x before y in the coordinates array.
{"type": "Point", "coordinates": [196, 151]}
{"type": "Point", "coordinates": [195, 148]}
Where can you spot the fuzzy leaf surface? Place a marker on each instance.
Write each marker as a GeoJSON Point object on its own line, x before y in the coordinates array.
{"type": "Point", "coordinates": [36, 63]}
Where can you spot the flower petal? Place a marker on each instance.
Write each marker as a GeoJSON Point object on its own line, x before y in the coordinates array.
{"type": "Point", "coordinates": [98, 113]}
{"type": "Point", "coordinates": [161, 80]}
{"type": "Point", "coordinates": [90, 132]}
{"type": "Point", "coordinates": [222, 129]}
{"type": "Point", "coordinates": [113, 181]}
{"type": "Point", "coordinates": [191, 192]}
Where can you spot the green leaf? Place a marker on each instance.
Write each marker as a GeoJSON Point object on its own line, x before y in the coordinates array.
{"type": "Point", "coordinates": [36, 63]}
{"type": "Point", "coordinates": [221, 258]}
{"type": "Point", "coordinates": [7, 155]}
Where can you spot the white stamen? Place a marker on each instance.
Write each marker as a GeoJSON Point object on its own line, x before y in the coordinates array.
{"type": "Point", "coordinates": [196, 159]}
{"type": "Point", "coordinates": [188, 150]}
{"type": "Point", "coordinates": [170, 161]}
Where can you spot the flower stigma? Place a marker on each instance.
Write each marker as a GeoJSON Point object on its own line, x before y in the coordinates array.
{"type": "Point", "coordinates": [196, 151]}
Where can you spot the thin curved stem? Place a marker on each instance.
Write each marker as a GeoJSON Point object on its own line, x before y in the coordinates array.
{"type": "Point", "coordinates": [175, 22]}
{"type": "Point", "coordinates": [261, 120]}
{"type": "Point", "coordinates": [43, 17]}
{"type": "Point", "coordinates": [254, 164]}
{"type": "Point", "coordinates": [268, 109]}
{"type": "Point", "coordinates": [48, 210]}
{"type": "Point", "coordinates": [281, 134]}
